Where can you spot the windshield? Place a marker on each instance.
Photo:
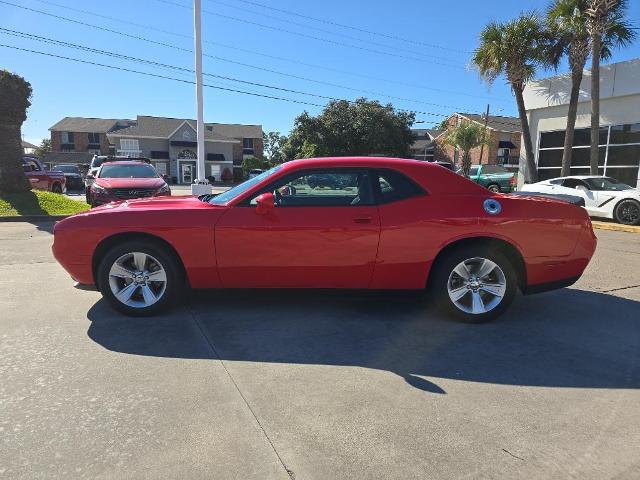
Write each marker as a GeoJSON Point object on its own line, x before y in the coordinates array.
{"type": "Point", "coordinates": [606, 183]}
{"type": "Point", "coordinates": [229, 195]}
{"type": "Point", "coordinates": [66, 168]}
{"type": "Point", "coordinates": [128, 171]}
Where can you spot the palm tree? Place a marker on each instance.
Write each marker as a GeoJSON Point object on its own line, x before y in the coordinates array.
{"type": "Point", "coordinates": [467, 136]}
{"type": "Point", "coordinates": [514, 49]}
{"type": "Point", "coordinates": [15, 93]}
{"type": "Point", "coordinates": [606, 19]}
{"type": "Point", "coordinates": [567, 24]}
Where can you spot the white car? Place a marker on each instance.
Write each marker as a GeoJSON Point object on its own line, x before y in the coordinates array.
{"type": "Point", "coordinates": [603, 196]}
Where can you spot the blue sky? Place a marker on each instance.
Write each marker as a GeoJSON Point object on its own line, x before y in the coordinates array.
{"type": "Point", "coordinates": [419, 56]}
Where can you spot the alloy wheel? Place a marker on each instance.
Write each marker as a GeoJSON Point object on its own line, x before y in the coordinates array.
{"type": "Point", "coordinates": [629, 213]}
{"type": "Point", "coordinates": [137, 279]}
{"type": "Point", "coordinates": [476, 285]}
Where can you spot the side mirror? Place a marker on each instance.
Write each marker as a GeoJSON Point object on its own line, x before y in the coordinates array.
{"type": "Point", "coordinates": [265, 203]}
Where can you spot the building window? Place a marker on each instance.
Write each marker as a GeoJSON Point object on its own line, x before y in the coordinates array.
{"type": "Point", "coordinates": [247, 146]}
{"type": "Point", "coordinates": [619, 153]}
{"type": "Point", "coordinates": [66, 142]}
{"type": "Point", "coordinates": [160, 154]}
{"type": "Point", "coordinates": [94, 138]}
{"type": "Point", "coordinates": [129, 147]}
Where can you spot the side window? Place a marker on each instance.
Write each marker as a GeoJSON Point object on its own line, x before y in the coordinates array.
{"type": "Point", "coordinates": [31, 166]}
{"type": "Point", "coordinates": [573, 183]}
{"type": "Point", "coordinates": [394, 186]}
{"type": "Point", "coordinates": [322, 188]}
{"type": "Point", "coordinates": [474, 171]}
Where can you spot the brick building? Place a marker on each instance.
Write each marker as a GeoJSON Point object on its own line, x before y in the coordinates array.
{"type": "Point", "coordinates": [503, 147]}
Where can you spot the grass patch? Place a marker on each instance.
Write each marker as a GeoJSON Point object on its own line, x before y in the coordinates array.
{"type": "Point", "coordinates": [38, 202]}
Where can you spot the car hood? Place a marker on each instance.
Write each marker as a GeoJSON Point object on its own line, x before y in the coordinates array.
{"type": "Point", "coordinates": [129, 182]}
{"type": "Point", "coordinates": [155, 203]}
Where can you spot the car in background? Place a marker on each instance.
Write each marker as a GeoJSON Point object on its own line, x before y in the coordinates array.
{"type": "Point", "coordinates": [72, 175]}
{"type": "Point", "coordinates": [495, 178]}
{"type": "Point", "coordinates": [255, 172]}
{"type": "Point", "coordinates": [96, 163]}
{"type": "Point", "coordinates": [603, 196]}
{"type": "Point", "coordinates": [41, 178]}
{"type": "Point", "coordinates": [407, 224]}
{"type": "Point", "coordinates": [126, 180]}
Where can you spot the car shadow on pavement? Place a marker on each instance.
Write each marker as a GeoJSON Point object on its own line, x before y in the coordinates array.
{"type": "Point", "coordinates": [567, 338]}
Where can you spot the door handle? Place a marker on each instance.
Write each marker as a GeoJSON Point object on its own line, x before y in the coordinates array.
{"type": "Point", "coordinates": [366, 219]}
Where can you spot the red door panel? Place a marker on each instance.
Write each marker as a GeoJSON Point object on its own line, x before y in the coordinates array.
{"type": "Point", "coordinates": [298, 247]}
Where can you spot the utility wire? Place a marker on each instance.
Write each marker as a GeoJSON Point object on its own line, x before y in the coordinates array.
{"type": "Point", "coordinates": [166, 77]}
{"type": "Point", "coordinates": [235, 62]}
{"type": "Point", "coordinates": [314, 37]}
{"type": "Point", "coordinates": [350, 27]}
{"type": "Point", "coordinates": [53, 41]}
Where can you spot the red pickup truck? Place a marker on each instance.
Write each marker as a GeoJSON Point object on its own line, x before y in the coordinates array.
{"type": "Point", "coordinates": [42, 179]}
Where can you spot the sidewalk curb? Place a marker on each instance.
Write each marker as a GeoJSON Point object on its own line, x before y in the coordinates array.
{"type": "Point", "coordinates": [33, 218]}
{"type": "Point", "coordinates": [615, 227]}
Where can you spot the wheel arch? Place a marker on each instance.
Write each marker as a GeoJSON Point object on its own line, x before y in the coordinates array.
{"type": "Point", "coordinates": [513, 254]}
{"type": "Point", "coordinates": [619, 201]}
{"type": "Point", "coordinates": [107, 243]}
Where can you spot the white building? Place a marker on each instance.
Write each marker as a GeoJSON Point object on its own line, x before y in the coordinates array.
{"type": "Point", "coordinates": [547, 102]}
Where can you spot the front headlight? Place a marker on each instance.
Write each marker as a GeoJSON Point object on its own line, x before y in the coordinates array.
{"type": "Point", "coordinates": [164, 189]}
{"type": "Point", "coordinates": [99, 190]}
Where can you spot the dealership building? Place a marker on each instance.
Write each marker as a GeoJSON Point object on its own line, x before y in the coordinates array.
{"type": "Point", "coordinates": [547, 104]}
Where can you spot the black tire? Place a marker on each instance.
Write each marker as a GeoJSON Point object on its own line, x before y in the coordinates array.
{"type": "Point", "coordinates": [56, 188]}
{"type": "Point", "coordinates": [628, 212]}
{"type": "Point", "coordinates": [443, 272]}
{"type": "Point", "coordinates": [160, 254]}
{"type": "Point", "coordinates": [494, 187]}
{"type": "Point", "coordinates": [86, 195]}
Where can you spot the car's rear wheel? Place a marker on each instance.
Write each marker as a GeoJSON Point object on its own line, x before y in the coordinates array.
{"type": "Point", "coordinates": [56, 188]}
{"type": "Point", "coordinates": [628, 212]}
{"type": "Point", "coordinates": [138, 278]}
{"type": "Point", "coordinates": [476, 284]}
{"type": "Point", "coordinates": [494, 188]}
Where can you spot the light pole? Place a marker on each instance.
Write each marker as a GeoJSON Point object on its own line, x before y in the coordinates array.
{"type": "Point", "coordinates": [201, 185]}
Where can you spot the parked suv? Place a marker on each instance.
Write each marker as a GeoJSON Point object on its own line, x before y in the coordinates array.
{"type": "Point", "coordinates": [72, 175]}
{"type": "Point", "coordinates": [124, 180]}
{"type": "Point", "coordinates": [96, 163]}
{"type": "Point", "coordinates": [494, 177]}
{"type": "Point", "coordinates": [40, 178]}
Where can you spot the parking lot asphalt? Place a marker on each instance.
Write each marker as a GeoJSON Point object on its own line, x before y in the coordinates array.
{"type": "Point", "coordinates": [317, 385]}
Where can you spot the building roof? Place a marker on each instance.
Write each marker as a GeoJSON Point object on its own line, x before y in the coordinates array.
{"type": "Point", "coordinates": [26, 144]}
{"type": "Point", "coordinates": [164, 127]}
{"type": "Point", "coordinates": [68, 157]}
{"type": "Point", "coordinates": [426, 133]}
{"type": "Point", "coordinates": [88, 125]}
{"type": "Point", "coordinates": [496, 122]}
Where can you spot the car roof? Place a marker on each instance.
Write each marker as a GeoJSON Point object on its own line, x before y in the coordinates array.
{"type": "Point", "coordinates": [371, 162]}
{"type": "Point", "coordinates": [125, 162]}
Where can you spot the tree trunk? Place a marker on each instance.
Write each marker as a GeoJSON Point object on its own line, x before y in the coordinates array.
{"type": "Point", "coordinates": [12, 177]}
{"type": "Point", "coordinates": [596, 46]}
{"type": "Point", "coordinates": [466, 163]}
{"type": "Point", "coordinates": [531, 173]}
{"type": "Point", "coordinates": [576, 80]}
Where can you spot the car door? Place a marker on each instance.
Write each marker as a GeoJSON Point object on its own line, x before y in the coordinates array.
{"type": "Point", "coordinates": [35, 174]}
{"type": "Point", "coordinates": [578, 188]}
{"type": "Point", "coordinates": [317, 235]}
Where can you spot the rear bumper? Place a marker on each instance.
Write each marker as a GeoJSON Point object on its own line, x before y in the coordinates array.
{"type": "Point", "coordinates": [548, 286]}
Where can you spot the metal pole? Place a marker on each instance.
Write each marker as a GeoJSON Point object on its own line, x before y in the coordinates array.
{"type": "Point", "coordinates": [197, 24]}
{"type": "Point", "coordinates": [486, 121]}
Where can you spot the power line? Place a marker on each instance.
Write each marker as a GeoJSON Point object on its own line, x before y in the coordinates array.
{"type": "Point", "coordinates": [262, 54]}
{"type": "Point", "coordinates": [312, 37]}
{"type": "Point", "coordinates": [166, 77]}
{"type": "Point", "coordinates": [351, 27]}
{"type": "Point", "coordinates": [52, 41]}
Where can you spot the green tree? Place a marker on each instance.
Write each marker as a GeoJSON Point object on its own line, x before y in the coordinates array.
{"type": "Point", "coordinates": [514, 49]}
{"type": "Point", "coordinates": [15, 95]}
{"type": "Point", "coordinates": [252, 163]}
{"type": "Point", "coordinates": [606, 18]}
{"type": "Point", "coordinates": [273, 147]}
{"type": "Point", "coordinates": [43, 148]}
{"type": "Point", "coordinates": [568, 24]}
{"type": "Point", "coordinates": [345, 128]}
{"type": "Point", "coordinates": [466, 137]}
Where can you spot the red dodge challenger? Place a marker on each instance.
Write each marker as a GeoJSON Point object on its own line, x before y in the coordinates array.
{"type": "Point", "coordinates": [356, 223]}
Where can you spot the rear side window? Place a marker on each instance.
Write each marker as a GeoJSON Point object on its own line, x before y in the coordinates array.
{"type": "Point", "coordinates": [393, 186]}
{"type": "Point", "coordinates": [494, 169]}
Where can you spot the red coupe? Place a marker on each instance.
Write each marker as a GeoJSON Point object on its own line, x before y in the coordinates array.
{"type": "Point", "coordinates": [378, 224]}
{"type": "Point", "coordinates": [124, 180]}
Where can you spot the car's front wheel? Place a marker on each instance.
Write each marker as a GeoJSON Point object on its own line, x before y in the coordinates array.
{"type": "Point", "coordinates": [139, 278]}
{"type": "Point", "coordinates": [56, 188]}
{"type": "Point", "coordinates": [628, 212]}
{"type": "Point", "coordinates": [474, 284]}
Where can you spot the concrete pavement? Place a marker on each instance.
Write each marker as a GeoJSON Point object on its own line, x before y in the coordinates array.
{"type": "Point", "coordinates": [317, 385]}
